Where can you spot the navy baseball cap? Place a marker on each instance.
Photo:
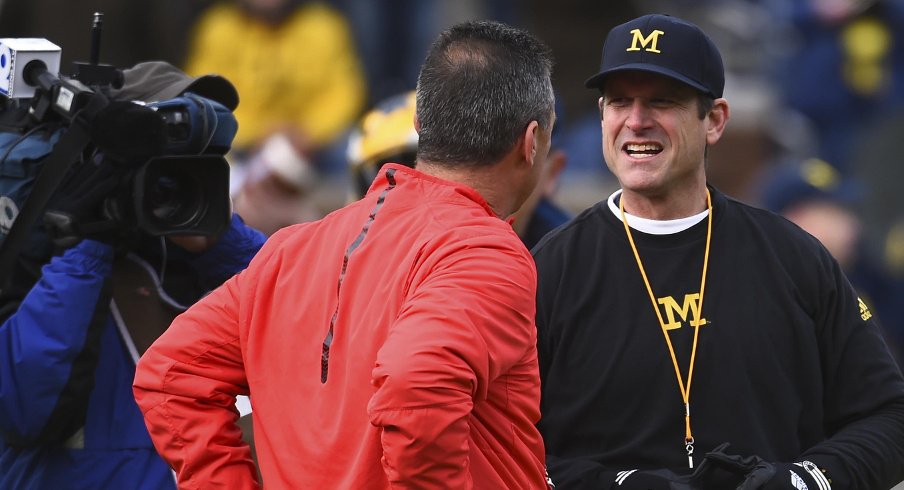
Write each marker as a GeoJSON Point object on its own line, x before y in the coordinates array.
{"type": "Point", "coordinates": [666, 45]}
{"type": "Point", "coordinates": [811, 180]}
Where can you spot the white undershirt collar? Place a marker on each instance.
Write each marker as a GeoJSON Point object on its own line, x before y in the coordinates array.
{"type": "Point", "coordinates": [655, 227]}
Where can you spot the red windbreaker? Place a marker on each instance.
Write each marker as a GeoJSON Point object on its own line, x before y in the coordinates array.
{"type": "Point", "coordinates": [389, 345]}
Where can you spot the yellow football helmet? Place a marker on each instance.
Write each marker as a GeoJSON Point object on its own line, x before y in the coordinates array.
{"type": "Point", "coordinates": [385, 134]}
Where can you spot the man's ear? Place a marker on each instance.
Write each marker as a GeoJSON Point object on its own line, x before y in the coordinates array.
{"type": "Point", "coordinates": [529, 145]}
{"type": "Point", "coordinates": [716, 121]}
{"type": "Point", "coordinates": [417, 124]}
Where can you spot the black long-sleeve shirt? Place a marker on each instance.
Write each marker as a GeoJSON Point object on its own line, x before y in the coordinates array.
{"type": "Point", "coordinates": [789, 365]}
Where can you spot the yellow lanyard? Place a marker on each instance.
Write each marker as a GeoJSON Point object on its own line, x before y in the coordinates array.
{"type": "Point", "coordinates": [685, 390]}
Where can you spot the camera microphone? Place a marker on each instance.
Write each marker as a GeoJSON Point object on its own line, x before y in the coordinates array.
{"type": "Point", "coordinates": [20, 65]}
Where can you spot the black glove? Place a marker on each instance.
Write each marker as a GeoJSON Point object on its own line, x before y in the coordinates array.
{"type": "Point", "coordinates": [126, 135]}
{"type": "Point", "coordinates": [786, 476]}
{"type": "Point", "coordinates": [76, 210]}
{"type": "Point", "coordinates": [721, 469]}
{"type": "Point", "coordinates": [718, 470]}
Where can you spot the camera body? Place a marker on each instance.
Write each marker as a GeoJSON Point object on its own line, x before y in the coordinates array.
{"type": "Point", "coordinates": [185, 190]}
{"type": "Point", "coordinates": [179, 185]}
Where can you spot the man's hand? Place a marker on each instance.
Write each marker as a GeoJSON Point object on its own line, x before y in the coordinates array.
{"type": "Point", "coordinates": [786, 476]}
{"type": "Point", "coordinates": [76, 211]}
{"type": "Point", "coordinates": [193, 243]}
{"type": "Point", "coordinates": [722, 469]}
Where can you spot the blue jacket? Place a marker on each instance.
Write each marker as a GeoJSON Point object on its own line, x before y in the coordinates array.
{"type": "Point", "coordinates": [55, 355]}
{"type": "Point", "coordinates": [545, 218]}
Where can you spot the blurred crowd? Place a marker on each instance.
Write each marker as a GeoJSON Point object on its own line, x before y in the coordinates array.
{"type": "Point", "coordinates": [816, 86]}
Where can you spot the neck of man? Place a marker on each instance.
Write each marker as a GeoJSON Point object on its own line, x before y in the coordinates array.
{"type": "Point", "coordinates": [492, 182]}
{"type": "Point", "coordinates": [674, 204]}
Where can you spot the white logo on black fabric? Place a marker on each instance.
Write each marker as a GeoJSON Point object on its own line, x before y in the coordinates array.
{"type": "Point", "coordinates": [8, 213]}
{"type": "Point", "coordinates": [798, 482]}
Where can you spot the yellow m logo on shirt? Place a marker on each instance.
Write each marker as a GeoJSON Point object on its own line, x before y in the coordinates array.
{"type": "Point", "coordinates": [865, 314]}
{"type": "Point", "coordinates": [652, 40]}
{"type": "Point", "coordinates": [691, 305]}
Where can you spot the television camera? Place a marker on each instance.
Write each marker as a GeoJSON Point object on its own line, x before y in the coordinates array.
{"type": "Point", "coordinates": [172, 145]}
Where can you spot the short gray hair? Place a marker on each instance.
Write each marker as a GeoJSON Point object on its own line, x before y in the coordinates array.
{"type": "Point", "coordinates": [480, 86]}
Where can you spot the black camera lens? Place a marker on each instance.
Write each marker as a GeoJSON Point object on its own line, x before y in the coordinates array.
{"type": "Point", "coordinates": [176, 199]}
{"type": "Point", "coordinates": [182, 195]}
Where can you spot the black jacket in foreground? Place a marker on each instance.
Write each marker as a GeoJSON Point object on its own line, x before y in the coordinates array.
{"type": "Point", "coordinates": [789, 365]}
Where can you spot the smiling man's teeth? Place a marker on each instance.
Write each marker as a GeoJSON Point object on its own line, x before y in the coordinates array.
{"type": "Point", "coordinates": [643, 150]}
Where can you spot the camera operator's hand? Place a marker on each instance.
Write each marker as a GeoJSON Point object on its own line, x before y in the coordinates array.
{"type": "Point", "coordinates": [126, 136]}
{"type": "Point", "coordinates": [193, 243]}
{"type": "Point", "coordinates": [76, 210]}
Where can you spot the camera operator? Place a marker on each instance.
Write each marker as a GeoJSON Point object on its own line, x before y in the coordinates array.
{"type": "Point", "coordinates": [70, 337]}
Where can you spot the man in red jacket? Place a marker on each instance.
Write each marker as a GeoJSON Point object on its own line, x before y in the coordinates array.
{"type": "Point", "coordinates": [391, 344]}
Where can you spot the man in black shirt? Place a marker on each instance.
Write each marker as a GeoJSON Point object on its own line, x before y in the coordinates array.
{"type": "Point", "coordinates": [643, 381]}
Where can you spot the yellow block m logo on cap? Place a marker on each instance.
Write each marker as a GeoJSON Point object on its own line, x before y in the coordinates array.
{"type": "Point", "coordinates": [652, 39]}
